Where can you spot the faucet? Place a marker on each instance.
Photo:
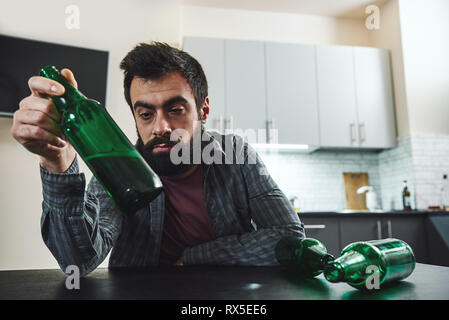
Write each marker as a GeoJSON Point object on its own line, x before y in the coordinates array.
{"type": "Point", "coordinates": [292, 200]}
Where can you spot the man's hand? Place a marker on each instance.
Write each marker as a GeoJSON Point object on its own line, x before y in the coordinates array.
{"type": "Point", "coordinates": [36, 124]}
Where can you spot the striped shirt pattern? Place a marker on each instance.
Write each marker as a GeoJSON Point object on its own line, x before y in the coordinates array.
{"type": "Point", "coordinates": [248, 212]}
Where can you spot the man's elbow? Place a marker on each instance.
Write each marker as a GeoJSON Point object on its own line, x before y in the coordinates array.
{"type": "Point", "coordinates": [292, 230]}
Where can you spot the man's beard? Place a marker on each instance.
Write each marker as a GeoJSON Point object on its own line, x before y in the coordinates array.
{"type": "Point", "coordinates": [160, 162]}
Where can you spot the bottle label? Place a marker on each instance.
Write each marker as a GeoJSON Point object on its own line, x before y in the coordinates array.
{"type": "Point", "coordinates": [399, 257]}
{"type": "Point", "coordinates": [407, 201]}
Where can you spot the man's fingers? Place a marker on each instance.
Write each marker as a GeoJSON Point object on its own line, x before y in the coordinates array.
{"type": "Point", "coordinates": [40, 104]}
{"type": "Point", "coordinates": [43, 87]}
{"type": "Point", "coordinates": [30, 135]}
{"type": "Point", "coordinates": [68, 74]}
{"type": "Point", "coordinates": [40, 119]}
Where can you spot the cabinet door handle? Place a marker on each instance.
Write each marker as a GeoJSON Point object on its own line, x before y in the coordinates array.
{"type": "Point", "coordinates": [229, 127]}
{"type": "Point", "coordinates": [390, 229]}
{"type": "Point", "coordinates": [273, 133]}
{"type": "Point", "coordinates": [379, 230]}
{"type": "Point", "coordinates": [314, 226]}
{"type": "Point", "coordinates": [269, 126]}
{"type": "Point", "coordinates": [217, 124]}
{"type": "Point", "coordinates": [362, 132]}
{"type": "Point", "coordinates": [352, 132]}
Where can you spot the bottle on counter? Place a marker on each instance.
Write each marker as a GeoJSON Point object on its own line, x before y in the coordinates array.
{"type": "Point", "coordinates": [390, 259]}
{"type": "Point", "coordinates": [118, 166]}
{"type": "Point", "coordinates": [306, 256]}
{"type": "Point", "coordinates": [406, 200]}
{"type": "Point", "coordinates": [445, 193]}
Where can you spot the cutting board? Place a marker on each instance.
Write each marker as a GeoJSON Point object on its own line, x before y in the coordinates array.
{"type": "Point", "coordinates": [353, 181]}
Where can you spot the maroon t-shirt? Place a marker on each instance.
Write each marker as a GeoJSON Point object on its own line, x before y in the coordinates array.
{"type": "Point", "coordinates": [186, 222]}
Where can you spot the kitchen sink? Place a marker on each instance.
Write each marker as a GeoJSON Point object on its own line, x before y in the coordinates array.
{"type": "Point", "coordinates": [352, 211]}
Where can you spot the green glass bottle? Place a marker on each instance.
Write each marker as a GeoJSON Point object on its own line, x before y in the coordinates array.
{"type": "Point", "coordinates": [305, 256]}
{"type": "Point", "coordinates": [118, 166]}
{"type": "Point", "coordinates": [391, 259]}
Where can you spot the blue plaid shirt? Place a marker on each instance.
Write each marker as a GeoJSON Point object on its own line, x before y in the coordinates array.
{"type": "Point", "coordinates": [248, 212]}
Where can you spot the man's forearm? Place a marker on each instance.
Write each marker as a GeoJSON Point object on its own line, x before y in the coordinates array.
{"type": "Point", "coordinates": [70, 214]}
{"type": "Point", "coordinates": [252, 248]}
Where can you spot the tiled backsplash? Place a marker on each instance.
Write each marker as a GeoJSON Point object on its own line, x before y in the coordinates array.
{"type": "Point", "coordinates": [430, 162]}
{"type": "Point", "coordinates": [395, 166]}
{"type": "Point", "coordinates": [317, 178]}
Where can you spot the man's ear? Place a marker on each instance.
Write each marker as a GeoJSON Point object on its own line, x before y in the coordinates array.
{"type": "Point", "coordinates": [204, 110]}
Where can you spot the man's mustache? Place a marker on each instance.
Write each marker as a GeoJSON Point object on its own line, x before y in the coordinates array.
{"type": "Point", "coordinates": [150, 145]}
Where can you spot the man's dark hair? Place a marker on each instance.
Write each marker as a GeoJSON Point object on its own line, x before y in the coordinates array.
{"type": "Point", "coordinates": [156, 59]}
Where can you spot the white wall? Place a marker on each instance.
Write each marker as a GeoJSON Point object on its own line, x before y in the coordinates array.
{"type": "Point", "coordinates": [425, 44]}
{"type": "Point", "coordinates": [388, 36]}
{"type": "Point", "coordinates": [417, 33]}
{"type": "Point", "coordinates": [272, 26]}
{"type": "Point", "coordinates": [115, 26]}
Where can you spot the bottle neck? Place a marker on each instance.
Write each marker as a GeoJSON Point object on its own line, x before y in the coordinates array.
{"type": "Point", "coordinates": [325, 260]}
{"type": "Point", "coordinates": [71, 94]}
{"type": "Point", "coordinates": [348, 267]}
{"type": "Point", "coordinates": [316, 255]}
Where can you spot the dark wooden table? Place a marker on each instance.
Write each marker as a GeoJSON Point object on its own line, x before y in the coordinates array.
{"type": "Point", "coordinates": [427, 282]}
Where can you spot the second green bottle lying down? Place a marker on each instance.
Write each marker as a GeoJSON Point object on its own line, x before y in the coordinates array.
{"type": "Point", "coordinates": [371, 264]}
{"type": "Point", "coordinates": [363, 265]}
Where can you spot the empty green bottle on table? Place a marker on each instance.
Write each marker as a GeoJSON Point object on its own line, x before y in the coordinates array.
{"type": "Point", "coordinates": [305, 256]}
{"type": "Point", "coordinates": [118, 166]}
{"type": "Point", "coordinates": [391, 259]}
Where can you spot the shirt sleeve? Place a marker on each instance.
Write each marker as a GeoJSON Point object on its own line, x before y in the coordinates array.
{"type": "Point", "coordinates": [270, 210]}
{"type": "Point", "coordinates": [78, 226]}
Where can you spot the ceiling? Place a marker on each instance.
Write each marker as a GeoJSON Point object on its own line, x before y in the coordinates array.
{"type": "Point", "coordinates": [353, 9]}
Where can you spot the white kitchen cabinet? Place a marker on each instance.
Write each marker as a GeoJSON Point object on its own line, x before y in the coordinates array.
{"type": "Point", "coordinates": [374, 94]}
{"type": "Point", "coordinates": [210, 54]}
{"type": "Point", "coordinates": [325, 96]}
{"type": "Point", "coordinates": [245, 86]}
{"type": "Point", "coordinates": [355, 97]}
{"type": "Point", "coordinates": [292, 101]}
{"type": "Point", "coordinates": [336, 96]}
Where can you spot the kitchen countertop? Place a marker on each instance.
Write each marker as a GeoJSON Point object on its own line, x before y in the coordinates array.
{"type": "Point", "coordinates": [351, 213]}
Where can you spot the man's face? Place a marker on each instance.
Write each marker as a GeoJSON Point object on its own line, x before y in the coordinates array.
{"type": "Point", "coordinates": [161, 106]}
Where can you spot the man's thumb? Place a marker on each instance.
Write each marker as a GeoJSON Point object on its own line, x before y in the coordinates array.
{"type": "Point", "coordinates": [68, 74]}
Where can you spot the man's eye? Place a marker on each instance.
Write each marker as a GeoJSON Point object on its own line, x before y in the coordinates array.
{"type": "Point", "coordinates": [145, 115]}
{"type": "Point", "coordinates": [176, 111]}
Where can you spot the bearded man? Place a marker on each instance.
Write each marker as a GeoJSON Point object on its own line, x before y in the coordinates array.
{"type": "Point", "coordinates": [223, 212]}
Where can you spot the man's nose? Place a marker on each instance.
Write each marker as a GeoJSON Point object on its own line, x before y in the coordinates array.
{"type": "Point", "coordinates": [161, 126]}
